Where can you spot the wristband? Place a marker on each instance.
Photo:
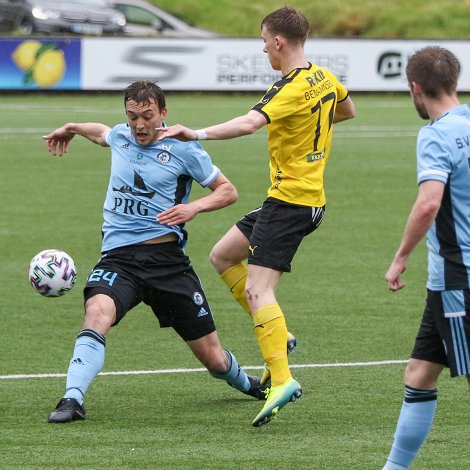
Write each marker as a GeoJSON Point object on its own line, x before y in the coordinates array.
{"type": "Point", "coordinates": [201, 134]}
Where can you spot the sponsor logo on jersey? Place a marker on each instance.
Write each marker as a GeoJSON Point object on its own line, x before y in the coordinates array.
{"type": "Point", "coordinates": [139, 189]}
{"type": "Point", "coordinates": [125, 146]}
{"type": "Point", "coordinates": [315, 157]}
{"type": "Point", "coordinates": [165, 147]}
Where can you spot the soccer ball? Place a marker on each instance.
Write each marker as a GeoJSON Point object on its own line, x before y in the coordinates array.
{"type": "Point", "coordinates": [52, 273]}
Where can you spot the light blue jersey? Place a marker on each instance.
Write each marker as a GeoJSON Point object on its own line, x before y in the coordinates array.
{"type": "Point", "coordinates": [147, 180]}
{"type": "Point", "coordinates": [443, 150]}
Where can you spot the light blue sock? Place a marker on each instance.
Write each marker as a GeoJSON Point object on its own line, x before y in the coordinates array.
{"type": "Point", "coordinates": [235, 375]}
{"type": "Point", "coordinates": [416, 417]}
{"type": "Point", "coordinates": [86, 363]}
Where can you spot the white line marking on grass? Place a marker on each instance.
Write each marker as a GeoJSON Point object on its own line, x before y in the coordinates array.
{"type": "Point", "coordinates": [349, 132]}
{"type": "Point", "coordinates": [202, 369]}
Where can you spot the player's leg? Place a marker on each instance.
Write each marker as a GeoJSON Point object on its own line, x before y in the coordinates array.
{"type": "Point", "coordinates": [417, 413]}
{"type": "Point", "coordinates": [279, 229]}
{"type": "Point", "coordinates": [227, 257]}
{"type": "Point", "coordinates": [178, 300]}
{"type": "Point", "coordinates": [223, 365]}
{"type": "Point", "coordinates": [272, 336]}
{"type": "Point", "coordinates": [109, 293]}
{"type": "Point", "coordinates": [269, 322]}
{"type": "Point", "coordinates": [87, 359]}
{"type": "Point", "coordinates": [442, 341]}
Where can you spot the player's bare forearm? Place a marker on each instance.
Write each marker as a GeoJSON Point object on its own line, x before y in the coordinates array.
{"type": "Point", "coordinates": [422, 216]}
{"type": "Point", "coordinates": [223, 194]}
{"type": "Point", "coordinates": [237, 127]}
{"type": "Point", "coordinates": [58, 141]}
{"type": "Point", "coordinates": [93, 131]}
{"type": "Point", "coordinates": [177, 215]}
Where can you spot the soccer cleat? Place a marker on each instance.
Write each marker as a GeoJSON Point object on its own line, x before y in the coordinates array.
{"type": "Point", "coordinates": [291, 347]}
{"type": "Point", "coordinates": [291, 343]}
{"type": "Point", "coordinates": [277, 397]}
{"type": "Point", "coordinates": [68, 409]}
{"type": "Point", "coordinates": [256, 390]}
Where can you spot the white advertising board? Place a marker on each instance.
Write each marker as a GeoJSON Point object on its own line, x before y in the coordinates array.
{"type": "Point", "coordinates": [241, 65]}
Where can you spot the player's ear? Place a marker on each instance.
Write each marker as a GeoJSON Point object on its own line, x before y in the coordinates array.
{"type": "Point", "coordinates": [163, 113]}
{"type": "Point", "coordinates": [415, 88]}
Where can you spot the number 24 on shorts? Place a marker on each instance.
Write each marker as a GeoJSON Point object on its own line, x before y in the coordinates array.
{"type": "Point", "coordinates": [101, 275]}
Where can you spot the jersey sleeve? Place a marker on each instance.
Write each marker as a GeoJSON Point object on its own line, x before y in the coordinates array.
{"type": "Point", "coordinates": [111, 135]}
{"type": "Point", "coordinates": [199, 164]}
{"type": "Point", "coordinates": [277, 102]}
{"type": "Point", "coordinates": [433, 156]}
{"type": "Point", "coordinates": [341, 91]}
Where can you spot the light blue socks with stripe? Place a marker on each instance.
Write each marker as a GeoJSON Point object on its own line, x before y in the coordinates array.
{"type": "Point", "coordinates": [86, 363]}
{"type": "Point", "coordinates": [235, 375]}
{"type": "Point", "coordinates": [414, 423]}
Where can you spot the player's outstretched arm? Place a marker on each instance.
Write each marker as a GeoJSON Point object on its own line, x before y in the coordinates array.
{"type": "Point", "coordinates": [237, 127]}
{"type": "Point", "coordinates": [223, 193]}
{"type": "Point", "coordinates": [58, 141]}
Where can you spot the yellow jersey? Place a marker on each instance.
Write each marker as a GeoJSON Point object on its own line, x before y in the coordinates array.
{"type": "Point", "coordinates": [299, 110]}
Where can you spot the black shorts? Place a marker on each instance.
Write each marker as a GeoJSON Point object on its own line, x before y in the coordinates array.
{"type": "Point", "coordinates": [275, 231]}
{"type": "Point", "coordinates": [444, 334]}
{"type": "Point", "coordinates": [161, 276]}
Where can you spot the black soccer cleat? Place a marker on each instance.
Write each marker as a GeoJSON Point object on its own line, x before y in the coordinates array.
{"type": "Point", "coordinates": [68, 409]}
{"type": "Point", "coordinates": [256, 390]}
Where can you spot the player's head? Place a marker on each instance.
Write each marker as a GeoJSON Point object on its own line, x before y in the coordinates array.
{"type": "Point", "coordinates": [435, 69]}
{"type": "Point", "coordinates": [145, 106]}
{"type": "Point", "coordinates": [288, 23]}
{"type": "Point", "coordinates": [432, 73]}
{"type": "Point", "coordinates": [283, 31]}
{"type": "Point", "coordinates": [145, 92]}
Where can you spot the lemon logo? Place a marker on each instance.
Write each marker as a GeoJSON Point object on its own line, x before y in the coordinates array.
{"type": "Point", "coordinates": [49, 68]}
{"type": "Point", "coordinates": [24, 55]}
{"type": "Point", "coordinates": [44, 64]}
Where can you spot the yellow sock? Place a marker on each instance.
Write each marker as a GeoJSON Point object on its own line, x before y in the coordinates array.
{"type": "Point", "coordinates": [235, 279]}
{"type": "Point", "coordinates": [271, 334]}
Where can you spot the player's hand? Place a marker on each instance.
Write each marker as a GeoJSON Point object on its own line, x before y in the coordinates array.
{"type": "Point", "coordinates": [396, 269]}
{"type": "Point", "coordinates": [58, 141]}
{"type": "Point", "coordinates": [178, 132]}
{"type": "Point", "coordinates": [177, 215]}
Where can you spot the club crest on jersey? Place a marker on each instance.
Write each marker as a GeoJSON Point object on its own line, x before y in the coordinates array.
{"type": "Point", "coordinates": [164, 157]}
{"type": "Point", "coordinates": [198, 299]}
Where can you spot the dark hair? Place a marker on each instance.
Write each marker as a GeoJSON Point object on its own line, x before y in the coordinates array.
{"type": "Point", "coordinates": [435, 69]}
{"type": "Point", "coordinates": [146, 92]}
{"type": "Point", "coordinates": [288, 23]}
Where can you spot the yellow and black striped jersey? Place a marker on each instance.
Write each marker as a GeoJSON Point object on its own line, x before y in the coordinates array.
{"type": "Point", "coordinates": [299, 109]}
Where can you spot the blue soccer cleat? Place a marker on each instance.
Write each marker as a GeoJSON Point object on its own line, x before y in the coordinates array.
{"type": "Point", "coordinates": [277, 397]}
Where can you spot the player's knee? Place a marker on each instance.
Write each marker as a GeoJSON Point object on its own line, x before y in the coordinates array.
{"type": "Point", "coordinates": [219, 259]}
{"type": "Point", "coordinates": [421, 374]}
{"type": "Point", "coordinates": [100, 313]}
{"type": "Point", "coordinates": [214, 257]}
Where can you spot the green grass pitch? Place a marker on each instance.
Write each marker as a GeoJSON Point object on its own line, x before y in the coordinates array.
{"type": "Point", "coordinates": [335, 301]}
